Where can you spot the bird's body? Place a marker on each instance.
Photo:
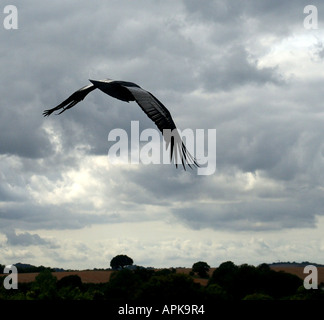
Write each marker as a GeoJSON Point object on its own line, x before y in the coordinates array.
{"type": "Point", "coordinates": [154, 109]}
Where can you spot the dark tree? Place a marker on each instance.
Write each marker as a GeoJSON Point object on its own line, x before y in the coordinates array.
{"type": "Point", "coordinates": [44, 286]}
{"type": "Point", "coordinates": [201, 268]}
{"type": "Point", "coordinates": [120, 261]}
{"type": "Point", "coordinates": [246, 281]}
{"type": "Point", "coordinates": [173, 288]}
{"type": "Point", "coordinates": [73, 281]}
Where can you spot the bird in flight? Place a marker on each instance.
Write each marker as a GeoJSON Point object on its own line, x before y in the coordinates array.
{"type": "Point", "coordinates": [154, 109]}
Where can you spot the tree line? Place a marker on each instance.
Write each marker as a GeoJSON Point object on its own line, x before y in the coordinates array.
{"type": "Point", "coordinates": [227, 282]}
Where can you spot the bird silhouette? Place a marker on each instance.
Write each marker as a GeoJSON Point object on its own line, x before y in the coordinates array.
{"type": "Point", "coordinates": [154, 109]}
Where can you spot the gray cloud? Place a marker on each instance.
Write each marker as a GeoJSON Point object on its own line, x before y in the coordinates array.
{"type": "Point", "coordinates": [276, 18]}
{"type": "Point", "coordinates": [224, 65]}
{"type": "Point", "coordinates": [28, 239]}
{"type": "Point", "coordinates": [259, 215]}
{"type": "Point", "coordinates": [235, 70]}
{"type": "Point", "coordinates": [32, 216]}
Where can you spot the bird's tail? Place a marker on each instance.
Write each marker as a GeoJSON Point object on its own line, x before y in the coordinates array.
{"type": "Point", "coordinates": [179, 153]}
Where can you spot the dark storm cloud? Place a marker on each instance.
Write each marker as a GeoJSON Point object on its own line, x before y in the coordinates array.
{"type": "Point", "coordinates": [267, 17]}
{"type": "Point", "coordinates": [235, 70]}
{"type": "Point", "coordinates": [21, 133]}
{"type": "Point", "coordinates": [279, 132]}
{"type": "Point", "coordinates": [264, 122]}
{"type": "Point", "coordinates": [124, 46]}
{"type": "Point", "coordinates": [232, 31]}
{"type": "Point", "coordinates": [71, 47]}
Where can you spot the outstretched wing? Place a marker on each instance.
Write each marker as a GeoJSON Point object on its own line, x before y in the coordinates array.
{"type": "Point", "coordinates": [161, 116]}
{"type": "Point", "coordinates": [72, 100]}
{"type": "Point", "coordinates": [155, 110]}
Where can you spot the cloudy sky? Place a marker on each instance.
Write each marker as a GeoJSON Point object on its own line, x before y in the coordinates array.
{"type": "Point", "coordinates": [249, 69]}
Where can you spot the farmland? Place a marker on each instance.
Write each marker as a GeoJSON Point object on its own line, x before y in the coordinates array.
{"type": "Point", "coordinates": [224, 283]}
{"type": "Point", "coordinates": [99, 276]}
